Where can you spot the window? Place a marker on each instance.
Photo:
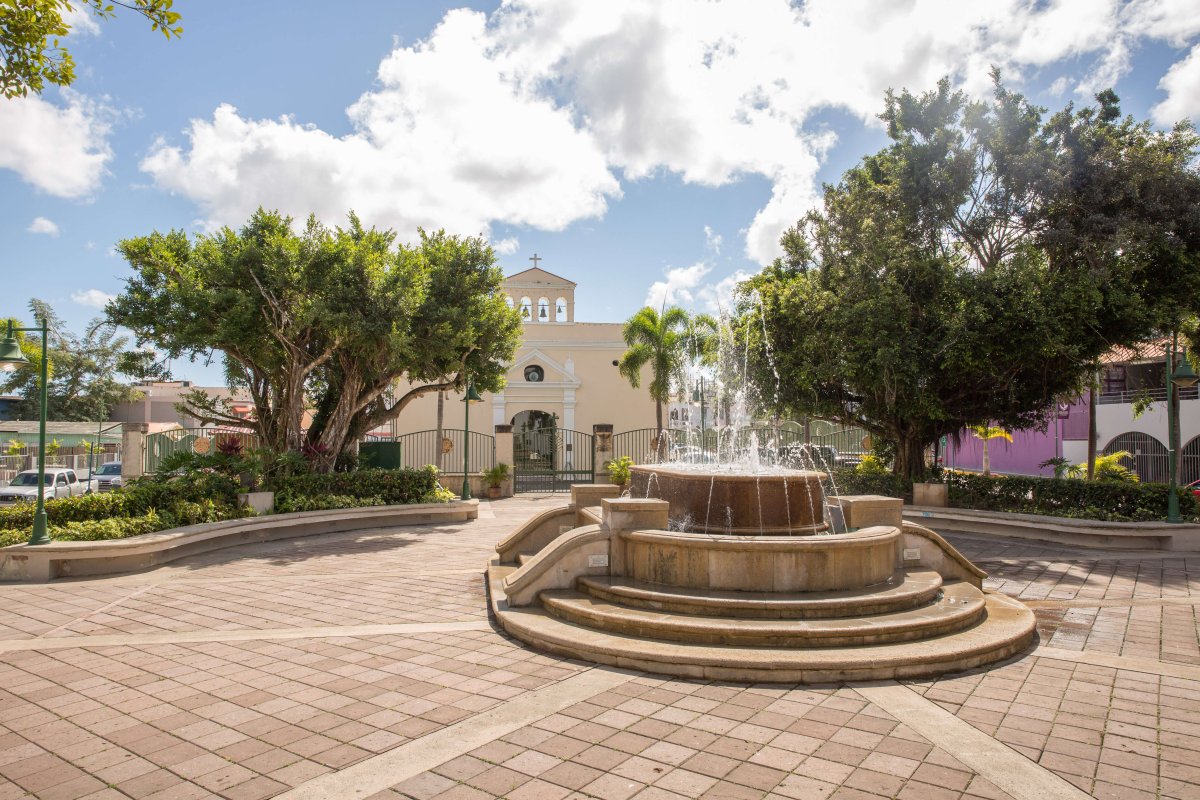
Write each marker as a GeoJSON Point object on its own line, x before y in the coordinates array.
{"type": "Point", "coordinates": [62, 479]}
{"type": "Point", "coordinates": [535, 374]}
{"type": "Point", "coordinates": [71, 478]}
{"type": "Point", "coordinates": [543, 310]}
{"type": "Point", "coordinates": [508, 301]}
{"type": "Point", "coordinates": [526, 307]}
{"type": "Point", "coordinates": [560, 310]}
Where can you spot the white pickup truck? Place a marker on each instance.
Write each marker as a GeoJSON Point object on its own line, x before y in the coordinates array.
{"type": "Point", "coordinates": [60, 482]}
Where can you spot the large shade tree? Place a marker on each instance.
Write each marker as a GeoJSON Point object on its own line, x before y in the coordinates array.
{"type": "Point", "coordinates": [325, 320]}
{"type": "Point", "coordinates": [973, 270]}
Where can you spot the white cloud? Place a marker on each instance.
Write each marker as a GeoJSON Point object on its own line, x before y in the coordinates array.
{"type": "Point", "coordinates": [528, 116]}
{"type": "Point", "coordinates": [44, 226]}
{"type": "Point", "coordinates": [507, 246]}
{"type": "Point", "coordinates": [448, 140]}
{"type": "Point", "coordinates": [80, 19]}
{"type": "Point", "coordinates": [60, 150]}
{"type": "Point", "coordinates": [92, 297]}
{"type": "Point", "coordinates": [676, 290]}
{"type": "Point", "coordinates": [1182, 85]}
{"type": "Point", "coordinates": [712, 240]}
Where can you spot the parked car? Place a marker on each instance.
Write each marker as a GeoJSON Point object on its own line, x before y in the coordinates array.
{"type": "Point", "coordinates": [60, 482]}
{"type": "Point", "coordinates": [108, 476]}
{"type": "Point", "coordinates": [1194, 488]}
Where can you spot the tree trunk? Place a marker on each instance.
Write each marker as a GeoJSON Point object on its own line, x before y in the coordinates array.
{"type": "Point", "coordinates": [1091, 453]}
{"type": "Point", "coordinates": [440, 435]}
{"type": "Point", "coordinates": [910, 458]}
{"type": "Point", "coordinates": [987, 461]}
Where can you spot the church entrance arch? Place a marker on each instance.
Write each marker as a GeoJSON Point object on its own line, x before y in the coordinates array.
{"type": "Point", "coordinates": [546, 457]}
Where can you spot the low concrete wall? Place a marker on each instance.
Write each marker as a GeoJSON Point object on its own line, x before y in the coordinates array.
{"type": "Point", "coordinates": [1059, 530]}
{"type": "Point", "coordinates": [45, 562]}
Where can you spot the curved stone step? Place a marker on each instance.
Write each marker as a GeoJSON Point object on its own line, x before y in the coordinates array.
{"type": "Point", "coordinates": [907, 590]}
{"type": "Point", "coordinates": [1007, 629]}
{"type": "Point", "coordinates": [960, 606]}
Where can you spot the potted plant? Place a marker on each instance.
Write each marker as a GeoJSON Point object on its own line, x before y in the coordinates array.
{"type": "Point", "coordinates": [494, 477]}
{"type": "Point", "coordinates": [618, 471]}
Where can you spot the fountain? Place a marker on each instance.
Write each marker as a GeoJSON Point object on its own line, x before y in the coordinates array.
{"type": "Point", "coordinates": [743, 568]}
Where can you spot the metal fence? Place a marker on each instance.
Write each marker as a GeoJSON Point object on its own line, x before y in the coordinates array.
{"type": "Point", "coordinates": [75, 458]}
{"type": "Point", "coordinates": [1155, 394]}
{"type": "Point", "coordinates": [552, 459]}
{"type": "Point", "coordinates": [192, 440]}
{"type": "Point", "coordinates": [770, 445]}
{"type": "Point", "coordinates": [1149, 457]}
{"type": "Point", "coordinates": [446, 451]}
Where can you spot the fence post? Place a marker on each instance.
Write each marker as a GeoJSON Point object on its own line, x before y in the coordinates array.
{"type": "Point", "coordinates": [133, 449]}
{"type": "Point", "coordinates": [602, 451]}
{"type": "Point", "coordinates": [504, 455]}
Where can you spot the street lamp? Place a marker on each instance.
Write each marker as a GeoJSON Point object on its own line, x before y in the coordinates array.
{"type": "Point", "coordinates": [472, 397]}
{"type": "Point", "coordinates": [11, 357]}
{"type": "Point", "coordinates": [1182, 376]}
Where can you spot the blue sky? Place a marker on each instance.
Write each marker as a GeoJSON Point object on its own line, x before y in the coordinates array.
{"type": "Point", "coordinates": [640, 148]}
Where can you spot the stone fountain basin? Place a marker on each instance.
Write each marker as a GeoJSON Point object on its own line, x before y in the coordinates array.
{"type": "Point", "coordinates": [780, 502]}
{"type": "Point", "coordinates": [845, 561]}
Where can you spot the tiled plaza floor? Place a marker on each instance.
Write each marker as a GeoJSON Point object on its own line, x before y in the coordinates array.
{"type": "Point", "coordinates": [247, 673]}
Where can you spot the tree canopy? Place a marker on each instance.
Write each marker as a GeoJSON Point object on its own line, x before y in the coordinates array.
{"type": "Point", "coordinates": [85, 371]}
{"type": "Point", "coordinates": [971, 271]}
{"type": "Point", "coordinates": [30, 54]}
{"type": "Point", "coordinates": [327, 321]}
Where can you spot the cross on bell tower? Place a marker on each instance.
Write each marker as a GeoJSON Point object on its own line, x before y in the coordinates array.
{"type": "Point", "coordinates": [535, 259]}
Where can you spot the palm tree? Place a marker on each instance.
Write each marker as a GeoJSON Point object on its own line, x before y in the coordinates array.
{"type": "Point", "coordinates": [983, 433]}
{"type": "Point", "coordinates": [664, 341]}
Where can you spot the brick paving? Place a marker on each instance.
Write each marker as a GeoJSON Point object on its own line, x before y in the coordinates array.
{"type": "Point", "coordinates": [256, 717]}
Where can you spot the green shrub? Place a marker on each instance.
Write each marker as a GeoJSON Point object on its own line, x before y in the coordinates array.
{"type": "Point", "coordinates": [1066, 497]}
{"type": "Point", "coordinates": [850, 480]}
{"type": "Point", "coordinates": [391, 486]}
{"type": "Point", "coordinates": [326, 502]}
{"type": "Point", "coordinates": [439, 494]}
{"type": "Point", "coordinates": [618, 470]}
{"type": "Point", "coordinates": [94, 530]}
{"type": "Point", "coordinates": [871, 464]}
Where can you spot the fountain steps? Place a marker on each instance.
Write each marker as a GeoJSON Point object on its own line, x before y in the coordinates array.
{"type": "Point", "coordinates": [906, 590]}
{"type": "Point", "coordinates": [1004, 631]}
{"type": "Point", "coordinates": [960, 607]}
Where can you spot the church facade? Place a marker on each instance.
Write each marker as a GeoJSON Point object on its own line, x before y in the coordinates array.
{"type": "Point", "coordinates": [564, 370]}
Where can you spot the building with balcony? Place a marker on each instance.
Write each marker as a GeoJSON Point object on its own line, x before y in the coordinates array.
{"type": "Point", "coordinates": [1129, 377]}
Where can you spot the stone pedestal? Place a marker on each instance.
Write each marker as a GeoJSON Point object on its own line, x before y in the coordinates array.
{"type": "Point", "coordinates": [133, 449]}
{"type": "Point", "coordinates": [930, 494]}
{"type": "Point", "coordinates": [866, 510]}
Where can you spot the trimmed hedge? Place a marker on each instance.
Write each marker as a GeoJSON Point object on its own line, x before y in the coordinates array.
{"type": "Point", "coordinates": [1056, 497]}
{"type": "Point", "coordinates": [851, 481]}
{"type": "Point", "coordinates": [1066, 497]}
{"type": "Point", "coordinates": [143, 506]}
{"type": "Point", "coordinates": [326, 502]}
{"type": "Point", "coordinates": [389, 486]}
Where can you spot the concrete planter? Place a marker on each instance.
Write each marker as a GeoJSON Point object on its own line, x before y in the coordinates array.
{"type": "Point", "coordinates": [931, 494]}
{"type": "Point", "coordinates": [261, 502]}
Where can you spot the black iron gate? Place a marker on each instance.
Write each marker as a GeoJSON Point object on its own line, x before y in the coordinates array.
{"type": "Point", "coordinates": [551, 459]}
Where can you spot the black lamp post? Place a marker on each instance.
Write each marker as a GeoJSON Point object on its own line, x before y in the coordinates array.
{"type": "Point", "coordinates": [471, 398]}
{"type": "Point", "coordinates": [1182, 377]}
{"type": "Point", "coordinates": [11, 357]}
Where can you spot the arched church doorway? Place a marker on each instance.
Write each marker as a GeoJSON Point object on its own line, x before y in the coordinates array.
{"type": "Point", "coordinates": [524, 421]}
{"type": "Point", "coordinates": [547, 458]}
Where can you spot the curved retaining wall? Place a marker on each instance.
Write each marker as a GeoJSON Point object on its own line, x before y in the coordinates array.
{"type": "Point", "coordinates": [1059, 530]}
{"type": "Point", "coordinates": [45, 562]}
